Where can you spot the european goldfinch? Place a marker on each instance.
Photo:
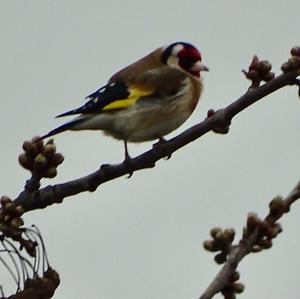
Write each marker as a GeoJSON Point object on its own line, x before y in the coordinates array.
{"type": "Point", "coordinates": [146, 100]}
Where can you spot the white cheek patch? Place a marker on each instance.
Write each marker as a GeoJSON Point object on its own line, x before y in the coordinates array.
{"type": "Point", "coordinates": [173, 61]}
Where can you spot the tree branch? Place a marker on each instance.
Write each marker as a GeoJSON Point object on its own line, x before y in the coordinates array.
{"type": "Point", "coordinates": [37, 199]}
{"type": "Point", "coordinates": [245, 246]}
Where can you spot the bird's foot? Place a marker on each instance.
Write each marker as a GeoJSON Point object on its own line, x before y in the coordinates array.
{"type": "Point", "coordinates": [161, 148]}
{"type": "Point", "coordinates": [127, 161]}
{"type": "Point", "coordinates": [128, 165]}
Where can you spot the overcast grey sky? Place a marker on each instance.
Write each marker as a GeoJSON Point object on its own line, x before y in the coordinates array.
{"type": "Point", "coordinates": [142, 237]}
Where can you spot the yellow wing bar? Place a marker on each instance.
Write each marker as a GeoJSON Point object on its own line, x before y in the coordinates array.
{"type": "Point", "coordinates": [134, 95]}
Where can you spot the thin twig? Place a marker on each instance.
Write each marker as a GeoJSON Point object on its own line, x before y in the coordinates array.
{"type": "Point", "coordinates": [239, 251]}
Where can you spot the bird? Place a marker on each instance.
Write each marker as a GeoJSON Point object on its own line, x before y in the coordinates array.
{"type": "Point", "coordinates": [146, 100]}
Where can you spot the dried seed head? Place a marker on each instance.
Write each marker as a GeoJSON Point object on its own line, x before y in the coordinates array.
{"type": "Point", "coordinates": [53, 275]}
{"type": "Point", "coordinates": [48, 287]}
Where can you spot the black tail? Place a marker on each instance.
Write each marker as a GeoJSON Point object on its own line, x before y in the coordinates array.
{"type": "Point", "coordinates": [62, 128]}
{"type": "Point", "coordinates": [72, 112]}
{"type": "Point", "coordinates": [89, 107]}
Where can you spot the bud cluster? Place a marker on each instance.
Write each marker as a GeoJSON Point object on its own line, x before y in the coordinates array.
{"type": "Point", "coordinates": [294, 62]}
{"type": "Point", "coordinates": [11, 224]}
{"type": "Point", "coordinates": [259, 71]}
{"type": "Point", "coordinates": [10, 215]}
{"type": "Point", "coordinates": [233, 287]}
{"type": "Point", "coordinates": [267, 229]}
{"type": "Point", "coordinates": [41, 159]}
{"type": "Point", "coordinates": [221, 241]}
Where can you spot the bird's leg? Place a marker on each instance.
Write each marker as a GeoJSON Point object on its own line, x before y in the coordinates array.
{"type": "Point", "coordinates": [127, 157]}
{"type": "Point", "coordinates": [127, 160]}
{"type": "Point", "coordinates": [160, 147]}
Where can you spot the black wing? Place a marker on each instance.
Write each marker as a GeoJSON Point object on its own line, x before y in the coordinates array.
{"type": "Point", "coordinates": [101, 98]}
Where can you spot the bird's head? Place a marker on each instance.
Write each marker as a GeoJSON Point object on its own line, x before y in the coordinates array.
{"type": "Point", "coordinates": [185, 57]}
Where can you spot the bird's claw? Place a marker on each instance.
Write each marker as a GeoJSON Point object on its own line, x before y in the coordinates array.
{"type": "Point", "coordinates": [161, 148]}
{"type": "Point", "coordinates": [127, 164]}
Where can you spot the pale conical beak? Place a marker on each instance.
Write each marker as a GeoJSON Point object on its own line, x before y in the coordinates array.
{"type": "Point", "coordinates": [204, 68]}
{"type": "Point", "coordinates": [199, 67]}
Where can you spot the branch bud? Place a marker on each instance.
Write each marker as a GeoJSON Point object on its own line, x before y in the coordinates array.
{"type": "Point", "coordinates": [211, 245]}
{"type": "Point", "coordinates": [264, 66]}
{"type": "Point", "coordinates": [229, 234]}
{"type": "Point", "coordinates": [238, 287]}
{"type": "Point", "coordinates": [277, 206]}
{"type": "Point", "coordinates": [57, 159]}
{"type": "Point", "coordinates": [51, 172]}
{"type": "Point", "coordinates": [252, 221]}
{"type": "Point", "coordinates": [5, 200]}
{"type": "Point", "coordinates": [40, 162]}
{"type": "Point", "coordinates": [220, 258]}
{"type": "Point", "coordinates": [49, 150]}
{"type": "Point", "coordinates": [30, 148]}
{"type": "Point", "coordinates": [25, 161]}
{"type": "Point", "coordinates": [214, 231]}
{"type": "Point", "coordinates": [295, 51]}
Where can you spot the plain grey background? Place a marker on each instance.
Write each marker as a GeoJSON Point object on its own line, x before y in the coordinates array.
{"type": "Point", "coordinates": [142, 237]}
